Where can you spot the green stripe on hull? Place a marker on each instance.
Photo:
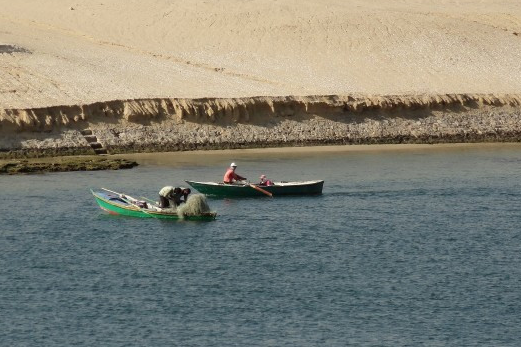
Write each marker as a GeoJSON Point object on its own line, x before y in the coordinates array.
{"type": "Point", "coordinates": [114, 209]}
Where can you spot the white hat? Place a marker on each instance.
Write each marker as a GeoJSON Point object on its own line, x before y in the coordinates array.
{"type": "Point", "coordinates": [233, 165]}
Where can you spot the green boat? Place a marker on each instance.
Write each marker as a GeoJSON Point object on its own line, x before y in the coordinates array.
{"type": "Point", "coordinates": [121, 204]}
{"type": "Point", "coordinates": [220, 189]}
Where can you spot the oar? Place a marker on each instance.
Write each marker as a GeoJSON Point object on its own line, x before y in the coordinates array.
{"type": "Point", "coordinates": [108, 190]}
{"type": "Point", "coordinates": [130, 200]}
{"type": "Point", "coordinates": [261, 190]}
{"type": "Point", "coordinates": [128, 197]}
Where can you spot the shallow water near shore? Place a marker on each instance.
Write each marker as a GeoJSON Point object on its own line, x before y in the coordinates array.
{"type": "Point", "coordinates": [407, 246]}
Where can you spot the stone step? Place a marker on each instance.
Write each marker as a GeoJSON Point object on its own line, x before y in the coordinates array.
{"type": "Point", "coordinates": [100, 151]}
{"type": "Point", "coordinates": [96, 145]}
{"type": "Point", "coordinates": [91, 138]}
{"type": "Point", "coordinates": [86, 132]}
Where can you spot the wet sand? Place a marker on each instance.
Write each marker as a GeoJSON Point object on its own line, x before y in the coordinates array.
{"type": "Point", "coordinates": [225, 157]}
{"type": "Point", "coordinates": [222, 158]}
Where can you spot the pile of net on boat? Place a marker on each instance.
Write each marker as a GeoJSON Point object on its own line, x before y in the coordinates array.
{"type": "Point", "coordinates": [195, 205]}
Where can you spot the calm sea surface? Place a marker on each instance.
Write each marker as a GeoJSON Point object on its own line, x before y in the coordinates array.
{"type": "Point", "coordinates": [404, 248]}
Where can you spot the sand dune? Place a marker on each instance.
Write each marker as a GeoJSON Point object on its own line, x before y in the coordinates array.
{"type": "Point", "coordinates": [57, 52]}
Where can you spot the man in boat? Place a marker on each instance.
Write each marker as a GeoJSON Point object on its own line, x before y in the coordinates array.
{"type": "Point", "coordinates": [171, 197]}
{"type": "Point", "coordinates": [230, 176]}
{"type": "Point", "coordinates": [185, 192]}
{"type": "Point", "coordinates": [264, 181]}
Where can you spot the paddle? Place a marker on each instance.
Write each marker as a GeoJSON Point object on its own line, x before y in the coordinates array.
{"type": "Point", "coordinates": [108, 190]}
{"type": "Point", "coordinates": [261, 190]}
{"type": "Point", "coordinates": [127, 198]}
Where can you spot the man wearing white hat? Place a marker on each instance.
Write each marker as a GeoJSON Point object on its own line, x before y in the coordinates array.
{"type": "Point", "coordinates": [230, 176]}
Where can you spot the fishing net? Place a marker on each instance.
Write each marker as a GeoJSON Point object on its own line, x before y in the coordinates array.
{"type": "Point", "coordinates": [195, 205]}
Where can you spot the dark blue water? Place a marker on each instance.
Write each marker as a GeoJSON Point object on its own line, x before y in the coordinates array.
{"type": "Point", "coordinates": [404, 248]}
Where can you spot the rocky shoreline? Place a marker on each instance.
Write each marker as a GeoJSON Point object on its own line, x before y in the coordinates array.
{"type": "Point", "coordinates": [154, 125]}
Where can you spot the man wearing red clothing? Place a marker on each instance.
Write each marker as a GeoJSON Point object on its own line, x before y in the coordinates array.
{"type": "Point", "coordinates": [230, 176]}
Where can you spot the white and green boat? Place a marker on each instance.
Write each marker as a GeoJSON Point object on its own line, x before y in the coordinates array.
{"type": "Point", "coordinates": [122, 204]}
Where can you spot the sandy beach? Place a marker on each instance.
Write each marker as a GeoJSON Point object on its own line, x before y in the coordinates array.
{"type": "Point", "coordinates": [218, 157]}
{"type": "Point", "coordinates": [57, 53]}
{"type": "Point", "coordinates": [81, 52]}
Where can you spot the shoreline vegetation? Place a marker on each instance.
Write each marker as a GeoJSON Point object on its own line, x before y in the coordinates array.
{"type": "Point", "coordinates": [167, 125]}
{"type": "Point", "coordinates": [63, 164]}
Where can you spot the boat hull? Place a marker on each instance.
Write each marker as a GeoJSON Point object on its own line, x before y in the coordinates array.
{"type": "Point", "coordinates": [245, 190]}
{"type": "Point", "coordinates": [114, 205]}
